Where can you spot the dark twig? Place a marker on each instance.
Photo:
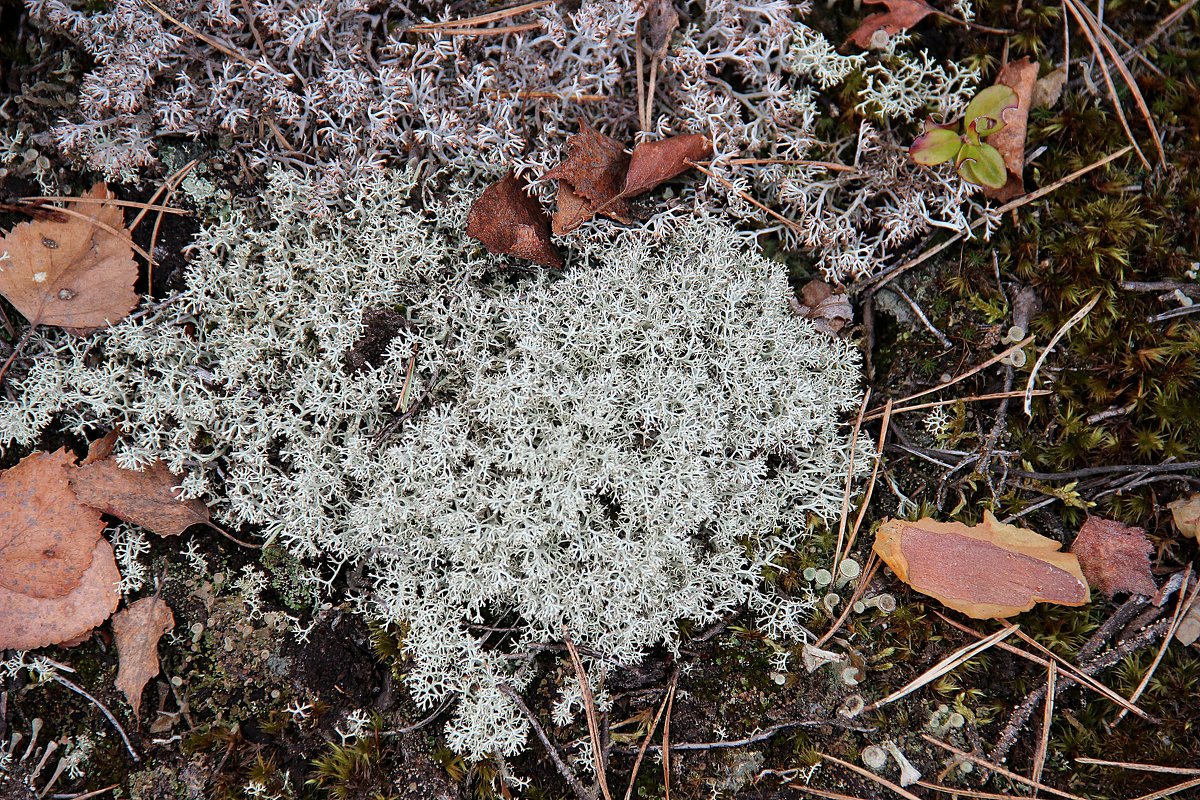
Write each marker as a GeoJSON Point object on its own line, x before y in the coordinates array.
{"type": "Point", "coordinates": [563, 769]}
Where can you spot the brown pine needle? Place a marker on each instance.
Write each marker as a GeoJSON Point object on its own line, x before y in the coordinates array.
{"type": "Point", "coordinates": [829, 165]}
{"type": "Point", "coordinates": [1170, 791]}
{"type": "Point", "coordinates": [977, 398]}
{"type": "Point", "coordinates": [208, 40]}
{"type": "Point", "coordinates": [789, 223]}
{"type": "Point", "coordinates": [937, 787]}
{"type": "Point", "coordinates": [946, 665]}
{"type": "Point", "coordinates": [637, 764]}
{"type": "Point", "coordinates": [666, 745]}
{"type": "Point", "coordinates": [845, 516]}
{"type": "Point", "coordinates": [70, 212]}
{"type": "Point", "coordinates": [570, 98]}
{"type": "Point", "coordinates": [958, 379]}
{"type": "Point", "coordinates": [862, 509]}
{"type": "Point", "coordinates": [110, 202]}
{"type": "Point", "coordinates": [589, 707]}
{"type": "Point", "coordinates": [1181, 605]}
{"type": "Point", "coordinates": [1039, 759]}
{"type": "Point", "coordinates": [500, 31]}
{"type": "Point", "coordinates": [1099, 762]}
{"type": "Point", "coordinates": [983, 762]}
{"type": "Point", "coordinates": [483, 19]}
{"type": "Point", "coordinates": [871, 776]}
{"type": "Point", "coordinates": [823, 792]}
{"type": "Point", "coordinates": [868, 572]}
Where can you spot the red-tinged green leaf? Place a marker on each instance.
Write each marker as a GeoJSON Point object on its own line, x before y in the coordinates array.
{"type": "Point", "coordinates": [982, 165]}
{"type": "Point", "coordinates": [987, 109]}
{"type": "Point", "coordinates": [936, 146]}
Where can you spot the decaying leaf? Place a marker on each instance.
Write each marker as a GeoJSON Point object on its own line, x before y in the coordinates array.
{"type": "Point", "coordinates": [1115, 557]}
{"type": "Point", "coordinates": [46, 536]}
{"type": "Point", "coordinates": [75, 274]}
{"type": "Point", "coordinates": [590, 179]}
{"type": "Point", "coordinates": [137, 630]}
{"type": "Point", "coordinates": [1186, 513]}
{"type": "Point", "coordinates": [986, 570]}
{"type": "Point", "coordinates": [1021, 76]}
{"type": "Point", "coordinates": [509, 222]}
{"type": "Point", "coordinates": [147, 498]}
{"type": "Point", "coordinates": [661, 21]}
{"type": "Point", "coordinates": [653, 163]}
{"type": "Point", "coordinates": [28, 622]}
{"type": "Point", "coordinates": [829, 310]}
{"type": "Point", "coordinates": [900, 15]}
{"type": "Point", "coordinates": [1189, 624]}
{"type": "Point", "coordinates": [1049, 88]}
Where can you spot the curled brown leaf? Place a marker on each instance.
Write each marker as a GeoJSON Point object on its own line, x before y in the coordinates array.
{"type": "Point", "coordinates": [1021, 76]}
{"type": "Point", "coordinates": [653, 163]}
{"type": "Point", "coordinates": [148, 498]}
{"type": "Point", "coordinates": [137, 630]}
{"type": "Point", "coordinates": [510, 222]}
{"type": "Point", "coordinates": [900, 15]}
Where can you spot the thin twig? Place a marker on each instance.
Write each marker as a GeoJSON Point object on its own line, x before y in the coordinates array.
{"type": "Point", "coordinates": [971, 792]}
{"type": "Point", "coordinates": [104, 226]}
{"type": "Point", "coordinates": [1039, 758]}
{"type": "Point", "coordinates": [500, 31]}
{"type": "Point", "coordinates": [978, 398]}
{"type": "Point", "coordinates": [568, 774]}
{"type": "Point", "coordinates": [107, 714]}
{"type": "Point", "coordinates": [795, 162]}
{"type": "Point", "coordinates": [872, 564]}
{"type": "Point", "coordinates": [916, 309]}
{"type": "Point", "coordinates": [16, 351]}
{"type": "Point", "coordinates": [231, 537]}
{"type": "Point", "coordinates": [589, 707]}
{"type": "Point", "coordinates": [862, 509]}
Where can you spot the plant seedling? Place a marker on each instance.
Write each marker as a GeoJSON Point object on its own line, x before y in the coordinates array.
{"type": "Point", "coordinates": [977, 161]}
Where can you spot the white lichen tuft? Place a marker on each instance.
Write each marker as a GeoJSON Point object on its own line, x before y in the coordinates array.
{"type": "Point", "coordinates": [603, 451]}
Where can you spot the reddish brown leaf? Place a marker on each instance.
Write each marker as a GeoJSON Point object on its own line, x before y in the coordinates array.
{"type": "Point", "coordinates": [1115, 557]}
{"type": "Point", "coordinates": [28, 622]}
{"type": "Point", "coordinates": [655, 162]}
{"type": "Point", "coordinates": [829, 310]}
{"type": "Point", "coordinates": [147, 498]}
{"type": "Point", "coordinates": [137, 630]}
{"type": "Point", "coordinates": [509, 222]}
{"type": "Point", "coordinates": [1021, 76]}
{"type": "Point", "coordinates": [593, 172]}
{"type": "Point", "coordinates": [102, 448]}
{"type": "Point", "coordinates": [73, 273]}
{"type": "Point", "coordinates": [46, 536]}
{"type": "Point", "coordinates": [987, 570]}
{"type": "Point", "coordinates": [901, 15]}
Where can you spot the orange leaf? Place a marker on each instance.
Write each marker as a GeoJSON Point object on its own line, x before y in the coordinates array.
{"type": "Point", "coordinates": [509, 222]}
{"type": "Point", "coordinates": [1115, 557]}
{"type": "Point", "coordinates": [591, 178]}
{"type": "Point", "coordinates": [1021, 76]}
{"type": "Point", "coordinates": [653, 163]}
{"type": "Point", "coordinates": [73, 274]}
{"type": "Point", "coordinates": [28, 622]}
{"type": "Point", "coordinates": [137, 630]}
{"type": "Point", "coordinates": [901, 15]}
{"type": "Point", "coordinates": [986, 570]}
{"type": "Point", "coordinates": [147, 498]}
{"type": "Point", "coordinates": [46, 536]}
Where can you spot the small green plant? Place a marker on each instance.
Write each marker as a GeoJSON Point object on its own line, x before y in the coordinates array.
{"type": "Point", "coordinates": [977, 161]}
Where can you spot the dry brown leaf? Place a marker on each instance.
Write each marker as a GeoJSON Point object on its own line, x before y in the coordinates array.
{"type": "Point", "coordinates": [147, 498]}
{"type": "Point", "coordinates": [829, 310]}
{"type": "Point", "coordinates": [1049, 88]}
{"type": "Point", "coordinates": [989, 570]}
{"type": "Point", "coordinates": [73, 274]}
{"type": "Point", "coordinates": [661, 20]}
{"type": "Point", "coordinates": [509, 222]}
{"type": "Point", "coordinates": [27, 622]}
{"type": "Point", "coordinates": [1021, 76]}
{"type": "Point", "coordinates": [1189, 624]}
{"type": "Point", "coordinates": [1115, 557]}
{"type": "Point", "coordinates": [137, 630]}
{"type": "Point", "coordinates": [1186, 513]}
{"type": "Point", "coordinates": [653, 163]}
{"type": "Point", "coordinates": [102, 448]}
{"type": "Point", "coordinates": [594, 171]}
{"type": "Point", "coordinates": [901, 15]}
{"type": "Point", "coordinates": [46, 536]}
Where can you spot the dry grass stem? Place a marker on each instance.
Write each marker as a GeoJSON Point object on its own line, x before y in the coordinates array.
{"type": "Point", "coordinates": [866, 773]}
{"type": "Point", "coordinates": [570, 98]}
{"type": "Point", "coordinates": [1173, 790]}
{"type": "Point", "coordinates": [1099, 762]}
{"type": "Point", "coordinates": [824, 792]}
{"type": "Point", "coordinates": [862, 509]}
{"type": "Point", "coordinates": [947, 664]}
{"type": "Point", "coordinates": [978, 398]}
{"type": "Point", "coordinates": [983, 762]}
{"type": "Point", "coordinates": [1039, 758]}
{"type": "Point", "coordinates": [1061, 332]}
{"type": "Point", "coordinates": [637, 764]}
{"type": "Point", "coordinates": [962, 377]}
{"type": "Point", "coordinates": [845, 515]}
{"type": "Point", "coordinates": [208, 40]}
{"type": "Point", "coordinates": [482, 19]}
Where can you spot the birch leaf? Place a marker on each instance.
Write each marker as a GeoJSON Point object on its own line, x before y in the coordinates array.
{"type": "Point", "coordinates": [147, 498]}
{"type": "Point", "coordinates": [137, 630]}
{"type": "Point", "coordinates": [510, 222]}
{"type": "Point", "coordinates": [900, 15]}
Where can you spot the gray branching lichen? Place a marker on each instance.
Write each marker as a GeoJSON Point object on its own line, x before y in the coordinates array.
{"type": "Point", "coordinates": [604, 451]}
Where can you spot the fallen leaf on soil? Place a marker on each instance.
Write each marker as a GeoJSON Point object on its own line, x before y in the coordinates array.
{"type": "Point", "coordinates": [137, 630]}
{"type": "Point", "coordinates": [509, 222]}
{"type": "Point", "coordinates": [901, 15]}
{"type": "Point", "coordinates": [1021, 76]}
{"type": "Point", "coordinates": [1049, 88]}
{"type": "Point", "coordinates": [661, 19]}
{"type": "Point", "coordinates": [1186, 513]}
{"type": "Point", "coordinates": [147, 498]}
{"type": "Point", "coordinates": [73, 274]}
{"type": "Point", "coordinates": [989, 570]}
{"type": "Point", "coordinates": [27, 622]}
{"type": "Point", "coordinates": [590, 179]}
{"type": "Point", "coordinates": [1189, 624]}
{"type": "Point", "coordinates": [46, 536]}
{"type": "Point", "coordinates": [829, 310]}
{"type": "Point", "coordinates": [102, 448]}
{"type": "Point", "coordinates": [1115, 557]}
{"type": "Point", "coordinates": [653, 163]}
